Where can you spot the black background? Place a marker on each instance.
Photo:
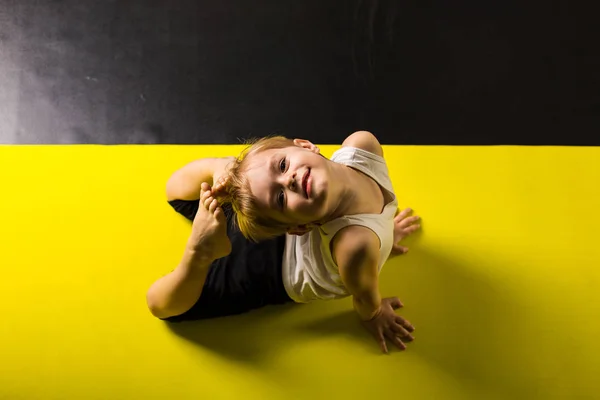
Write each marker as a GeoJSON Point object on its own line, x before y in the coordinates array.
{"type": "Point", "coordinates": [452, 72]}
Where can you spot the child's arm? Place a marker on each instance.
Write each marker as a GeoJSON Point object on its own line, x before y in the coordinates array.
{"type": "Point", "coordinates": [356, 252]}
{"type": "Point", "coordinates": [185, 183]}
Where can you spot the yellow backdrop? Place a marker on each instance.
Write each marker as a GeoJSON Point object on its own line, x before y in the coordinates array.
{"type": "Point", "coordinates": [502, 285]}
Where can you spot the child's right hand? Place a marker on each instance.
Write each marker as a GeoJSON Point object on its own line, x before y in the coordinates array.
{"type": "Point", "coordinates": [388, 324]}
{"type": "Point", "coordinates": [221, 187]}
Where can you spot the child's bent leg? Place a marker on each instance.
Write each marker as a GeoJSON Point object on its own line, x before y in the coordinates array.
{"type": "Point", "coordinates": [178, 291]}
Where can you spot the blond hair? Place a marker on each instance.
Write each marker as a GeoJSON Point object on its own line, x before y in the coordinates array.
{"type": "Point", "coordinates": [253, 223]}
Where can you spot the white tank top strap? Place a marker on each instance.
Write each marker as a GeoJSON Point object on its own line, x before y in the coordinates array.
{"type": "Point", "coordinates": [368, 163]}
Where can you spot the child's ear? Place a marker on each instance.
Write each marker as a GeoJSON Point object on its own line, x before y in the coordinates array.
{"type": "Point", "coordinates": [305, 144]}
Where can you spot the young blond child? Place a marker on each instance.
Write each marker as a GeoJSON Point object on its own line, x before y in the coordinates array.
{"type": "Point", "coordinates": [307, 228]}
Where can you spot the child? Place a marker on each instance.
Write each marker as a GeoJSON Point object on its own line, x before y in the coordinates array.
{"type": "Point", "coordinates": [308, 228]}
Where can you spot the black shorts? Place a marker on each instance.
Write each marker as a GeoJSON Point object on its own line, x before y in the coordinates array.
{"type": "Point", "coordinates": [248, 278]}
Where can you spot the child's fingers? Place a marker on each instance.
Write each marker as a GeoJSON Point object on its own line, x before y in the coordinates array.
{"type": "Point", "coordinates": [219, 189]}
{"type": "Point", "coordinates": [403, 214]}
{"type": "Point", "coordinates": [396, 303]}
{"type": "Point", "coordinates": [404, 217]}
{"type": "Point", "coordinates": [223, 180]}
{"type": "Point", "coordinates": [411, 229]}
{"type": "Point", "coordinates": [407, 221]}
{"type": "Point", "coordinates": [381, 339]}
{"type": "Point", "coordinates": [396, 340]}
{"type": "Point", "coordinates": [400, 331]}
{"type": "Point", "coordinates": [407, 325]}
{"type": "Point", "coordinates": [400, 249]}
{"type": "Point", "coordinates": [412, 219]}
{"type": "Point", "coordinates": [222, 184]}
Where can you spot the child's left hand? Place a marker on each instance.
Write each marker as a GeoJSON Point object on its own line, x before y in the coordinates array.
{"type": "Point", "coordinates": [403, 226]}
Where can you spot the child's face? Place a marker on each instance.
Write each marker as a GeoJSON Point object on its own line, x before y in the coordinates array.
{"type": "Point", "coordinates": [290, 184]}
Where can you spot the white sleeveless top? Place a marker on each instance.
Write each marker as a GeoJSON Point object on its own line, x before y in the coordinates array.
{"type": "Point", "coordinates": [309, 272]}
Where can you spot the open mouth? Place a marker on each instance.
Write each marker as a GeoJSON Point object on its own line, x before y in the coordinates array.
{"type": "Point", "coordinates": [305, 183]}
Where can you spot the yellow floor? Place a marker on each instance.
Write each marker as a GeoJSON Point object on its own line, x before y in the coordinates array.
{"type": "Point", "coordinates": [502, 285]}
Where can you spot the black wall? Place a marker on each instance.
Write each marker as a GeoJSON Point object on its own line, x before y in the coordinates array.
{"type": "Point", "coordinates": [141, 71]}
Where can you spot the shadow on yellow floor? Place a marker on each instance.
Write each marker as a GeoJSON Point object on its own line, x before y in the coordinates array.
{"type": "Point", "coordinates": [241, 337]}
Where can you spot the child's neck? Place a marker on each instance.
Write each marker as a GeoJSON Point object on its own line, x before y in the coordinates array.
{"type": "Point", "coordinates": [354, 194]}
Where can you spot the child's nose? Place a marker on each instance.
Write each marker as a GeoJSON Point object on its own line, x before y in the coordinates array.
{"type": "Point", "coordinates": [292, 181]}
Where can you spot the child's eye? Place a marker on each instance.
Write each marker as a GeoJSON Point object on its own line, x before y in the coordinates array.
{"type": "Point", "coordinates": [282, 165]}
{"type": "Point", "coordinates": [280, 199]}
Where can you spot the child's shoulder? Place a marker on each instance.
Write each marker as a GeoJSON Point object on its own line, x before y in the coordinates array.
{"type": "Point", "coordinates": [354, 243]}
{"type": "Point", "coordinates": [364, 140]}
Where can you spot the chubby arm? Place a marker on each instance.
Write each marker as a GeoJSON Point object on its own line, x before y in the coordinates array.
{"type": "Point", "coordinates": [184, 184]}
{"type": "Point", "coordinates": [356, 248]}
{"type": "Point", "coordinates": [356, 252]}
